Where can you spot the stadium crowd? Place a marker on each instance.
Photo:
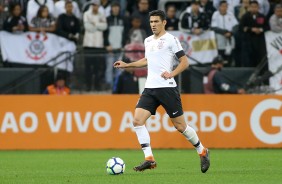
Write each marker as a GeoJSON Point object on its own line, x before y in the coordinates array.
{"type": "Point", "coordinates": [107, 26]}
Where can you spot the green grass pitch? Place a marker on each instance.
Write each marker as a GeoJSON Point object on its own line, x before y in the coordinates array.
{"type": "Point", "coordinates": [174, 166]}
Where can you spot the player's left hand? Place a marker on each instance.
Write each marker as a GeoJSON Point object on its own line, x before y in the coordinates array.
{"type": "Point", "coordinates": [166, 75]}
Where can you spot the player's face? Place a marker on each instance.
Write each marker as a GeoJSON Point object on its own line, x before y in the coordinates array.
{"type": "Point", "coordinates": [157, 25]}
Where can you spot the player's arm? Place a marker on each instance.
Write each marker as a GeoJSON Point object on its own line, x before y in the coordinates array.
{"type": "Point", "coordinates": [183, 64]}
{"type": "Point", "coordinates": [137, 64]}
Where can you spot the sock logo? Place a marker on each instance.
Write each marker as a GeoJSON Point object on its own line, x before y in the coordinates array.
{"type": "Point", "coordinates": [276, 121]}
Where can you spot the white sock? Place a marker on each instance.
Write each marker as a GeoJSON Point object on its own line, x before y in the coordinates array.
{"type": "Point", "coordinates": [192, 137]}
{"type": "Point", "coordinates": [144, 140]}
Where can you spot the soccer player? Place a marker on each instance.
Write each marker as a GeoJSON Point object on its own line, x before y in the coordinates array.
{"type": "Point", "coordinates": [161, 89]}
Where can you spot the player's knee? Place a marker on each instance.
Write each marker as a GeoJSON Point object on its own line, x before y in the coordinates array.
{"type": "Point", "coordinates": [137, 122]}
{"type": "Point", "coordinates": [180, 126]}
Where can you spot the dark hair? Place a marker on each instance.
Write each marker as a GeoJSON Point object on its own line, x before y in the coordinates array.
{"type": "Point", "coordinates": [141, 0]}
{"type": "Point", "coordinates": [12, 6]}
{"type": "Point", "coordinates": [170, 6]}
{"type": "Point", "coordinates": [115, 3]}
{"type": "Point", "coordinates": [68, 2]}
{"type": "Point", "coordinates": [60, 76]}
{"type": "Point", "coordinates": [40, 10]}
{"type": "Point", "coordinates": [278, 6]}
{"type": "Point", "coordinates": [218, 60]}
{"type": "Point", "coordinates": [254, 2]}
{"type": "Point", "coordinates": [222, 2]}
{"type": "Point", "coordinates": [135, 16]}
{"type": "Point", "coordinates": [159, 13]}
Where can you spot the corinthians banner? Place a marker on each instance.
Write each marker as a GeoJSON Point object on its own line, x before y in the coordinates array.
{"type": "Point", "coordinates": [201, 47]}
{"type": "Point", "coordinates": [105, 122]}
{"type": "Point", "coordinates": [37, 49]}
{"type": "Point", "coordinates": [274, 55]}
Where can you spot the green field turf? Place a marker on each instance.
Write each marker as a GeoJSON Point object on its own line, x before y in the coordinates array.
{"type": "Point", "coordinates": [174, 166]}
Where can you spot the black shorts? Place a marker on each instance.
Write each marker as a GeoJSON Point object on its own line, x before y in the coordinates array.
{"type": "Point", "coordinates": [169, 98]}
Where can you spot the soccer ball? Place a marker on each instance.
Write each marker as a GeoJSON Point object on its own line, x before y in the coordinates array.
{"type": "Point", "coordinates": [115, 165]}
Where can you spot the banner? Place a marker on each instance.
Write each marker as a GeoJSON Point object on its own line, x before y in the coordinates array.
{"type": "Point", "coordinates": [274, 55]}
{"type": "Point", "coordinates": [105, 122]}
{"type": "Point", "coordinates": [201, 47]}
{"type": "Point", "coordinates": [37, 49]}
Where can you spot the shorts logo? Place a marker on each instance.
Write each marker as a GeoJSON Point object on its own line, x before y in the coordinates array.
{"type": "Point", "coordinates": [174, 113]}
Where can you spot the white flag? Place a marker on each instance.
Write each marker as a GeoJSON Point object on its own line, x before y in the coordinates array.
{"type": "Point", "coordinates": [274, 55]}
{"type": "Point", "coordinates": [201, 47]}
{"type": "Point", "coordinates": [37, 49]}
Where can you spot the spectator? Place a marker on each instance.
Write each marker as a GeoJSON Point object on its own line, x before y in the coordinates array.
{"type": "Point", "coordinates": [58, 88]}
{"type": "Point", "coordinates": [43, 22]}
{"type": "Point", "coordinates": [104, 8]}
{"type": "Point", "coordinates": [95, 24]}
{"type": "Point", "coordinates": [223, 23]}
{"type": "Point", "coordinates": [132, 5]}
{"type": "Point", "coordinates": [264, 7]}
{"type": "Point", "coordinates": [114, 40]}
{"type": "Point", "coordinates": [136, 33]}
{"type": "Point", "coordinates": [275, 21]}
{"type": "Point", "coordinates": [33, 6]}
{"type": "Point", "coordinates": [143, 13]}
{"type": "Point", "coordinates": [135, 40]}
{"type": "Point", "coordinates": [15, 23]}
{"type": "Point", "coordinates": [241, 9]}
{"type": "Point", "coordinates": [60, 8]}
{"type": "Point", "coordinates": [171, 20]}
{"type": "Point", "coordinates": [231, 4]}
{"type": "Point", "coordinates": [214, 81]}
{"type": "Point", "coordinates": [272, 4]}
{"type": "Point", "coordinates": [192, 20]}
{"type": "Point", "coordinates": [253, 25]}
{"type": "Point", "coordinates": [126, 83]}
{"type": "Point", "coordinates": [23, 4]}
{"type": "Point", "coordinates": [207, 7]}
{"type": "Point", "coordinates": [4, 11]}
{"type": "Point", "coordinates": [68, 25]}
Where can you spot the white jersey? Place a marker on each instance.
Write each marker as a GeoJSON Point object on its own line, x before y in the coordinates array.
{"type": "Point", "coordinates": [160, 55]}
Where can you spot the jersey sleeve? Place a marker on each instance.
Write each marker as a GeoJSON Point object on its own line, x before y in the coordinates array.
{"type": "Point", "coordinates": [177, 48]}
{"type": "Point", "coordinates": [145, 47]}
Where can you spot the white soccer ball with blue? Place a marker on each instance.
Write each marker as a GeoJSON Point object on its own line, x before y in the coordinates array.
{"type": "Point", "coordinates": [115, 166]}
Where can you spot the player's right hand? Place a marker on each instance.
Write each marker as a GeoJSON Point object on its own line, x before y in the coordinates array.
{"type": "Point", "coordinates": [119, 64]}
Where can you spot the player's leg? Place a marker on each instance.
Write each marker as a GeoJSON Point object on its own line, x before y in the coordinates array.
{"type": "Point", "coordinates": [191, 135]}
{"type": "Point", "coordinates": [171, 101]}
{"type": "Point", "coordinates": [145, 107]}
{"type": "Point", "coordinates": [140, 118]}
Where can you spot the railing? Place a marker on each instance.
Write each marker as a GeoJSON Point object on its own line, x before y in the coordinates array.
{"type": "Point", "coordinates": [27, 77]}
